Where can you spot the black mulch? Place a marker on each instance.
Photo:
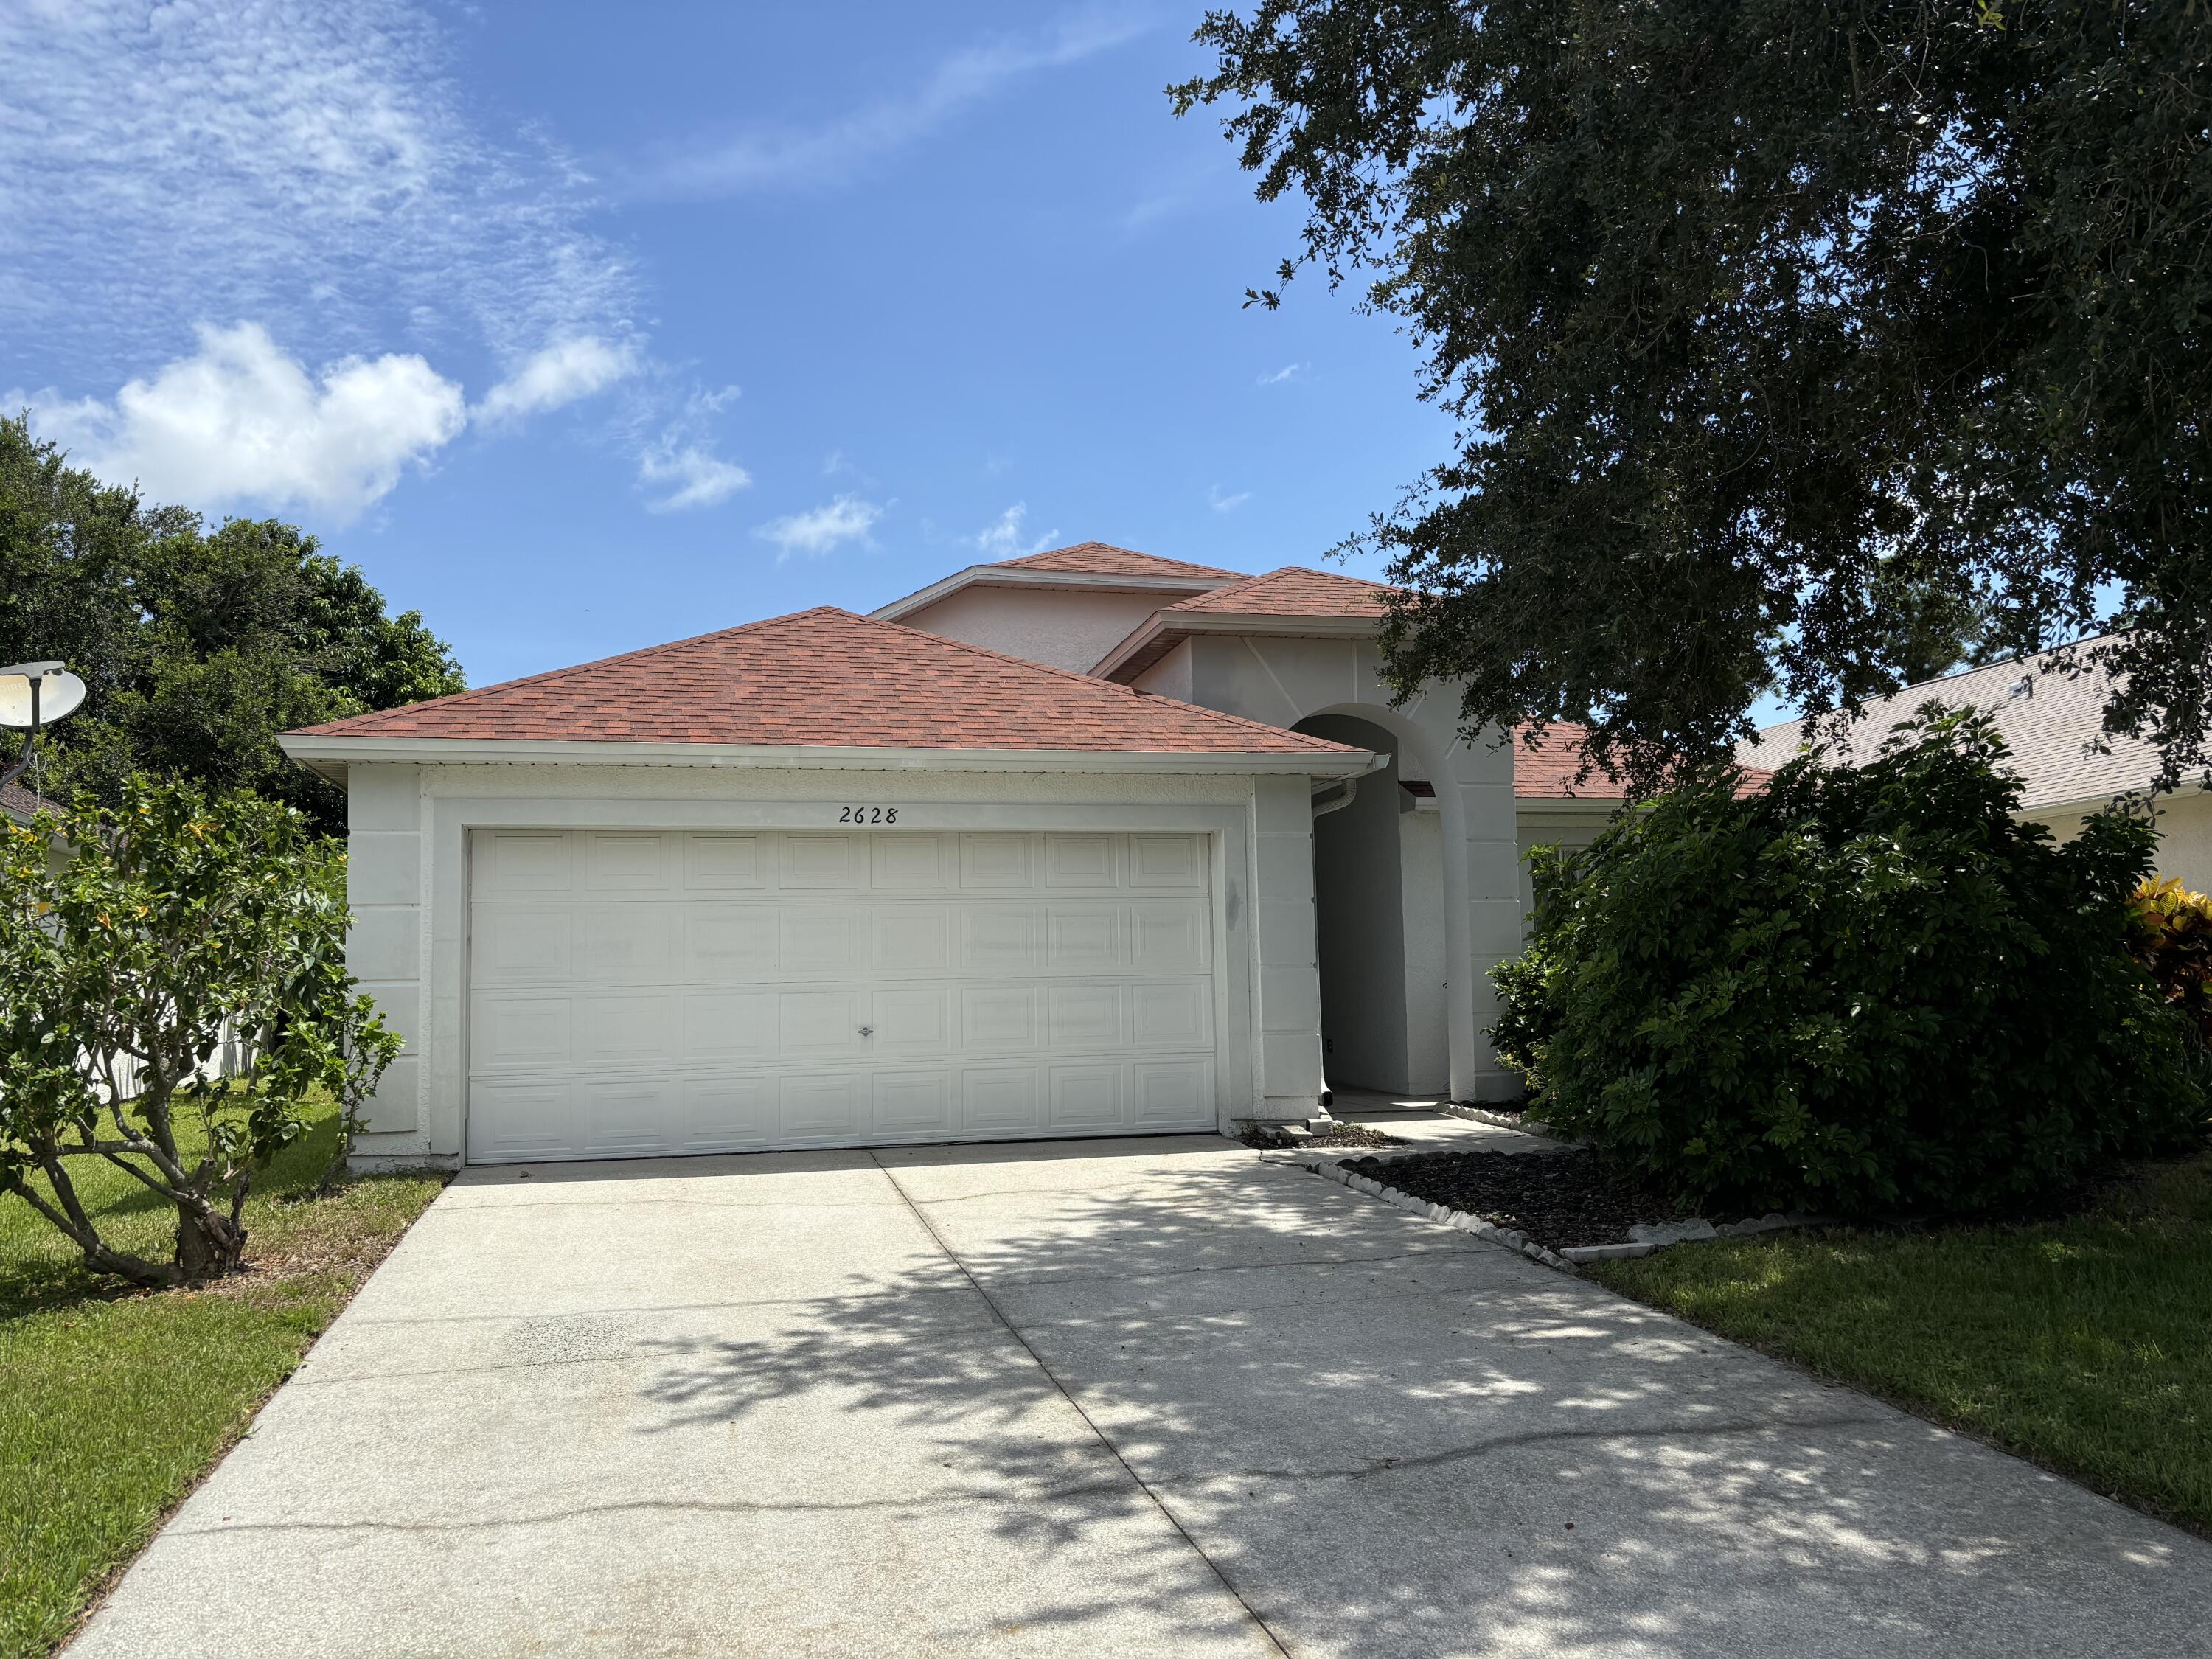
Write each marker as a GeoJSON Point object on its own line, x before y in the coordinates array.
{"type": "Point", "coordinates": [1335, 1134]}
{"type": "Point", "coordinates": [1559, 1199]}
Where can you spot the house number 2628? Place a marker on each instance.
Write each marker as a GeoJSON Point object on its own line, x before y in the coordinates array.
{"type": "Point", "coordinates": [868, 815]}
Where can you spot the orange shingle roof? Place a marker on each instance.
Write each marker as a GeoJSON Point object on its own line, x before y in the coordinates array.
{"type": "Point", "coordinates": [1102, 559]}
{"type": "Point", "coordinates": [1547, 771]}
{"type": "Point", "coordinates": [1293, 591]}
{"type": "Point", "coordinates": [828, 678]}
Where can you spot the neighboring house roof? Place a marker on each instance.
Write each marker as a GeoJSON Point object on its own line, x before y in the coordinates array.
{"type": "Point", "coordinates": [826, 679]}
{"type": "Point", "coordinates": [19, 802]}
{"type": "Point", "coordinates": [1087, 565]}
{"type": "Point", "coordinates": [1292, 600]}
{"type": "Point", "coordinates": [1547, 771]}
{"type": "Point", "coordinates": [2051, 722]}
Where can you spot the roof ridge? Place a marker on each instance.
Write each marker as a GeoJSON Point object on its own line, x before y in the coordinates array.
{"type": "Point", "coordinates": [1089, 679]}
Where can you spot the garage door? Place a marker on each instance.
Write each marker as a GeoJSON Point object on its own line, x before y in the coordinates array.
{"type": "Point", "coordinates": [634, 993]}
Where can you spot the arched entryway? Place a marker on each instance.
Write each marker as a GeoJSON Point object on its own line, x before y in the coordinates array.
{"type": "Point", "coordinates": [1379, 922]}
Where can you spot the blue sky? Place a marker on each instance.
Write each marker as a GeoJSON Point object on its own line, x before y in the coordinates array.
{"type": "Point", "coordinates": [581, 328]}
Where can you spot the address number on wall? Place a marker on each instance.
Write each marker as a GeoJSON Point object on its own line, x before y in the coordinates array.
{"type": "Point", "coordinates": [868, 815]}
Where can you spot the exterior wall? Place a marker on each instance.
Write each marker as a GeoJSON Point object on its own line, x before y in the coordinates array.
{"type": "Point", "coordinates": [408, 880]}
{"type": "Point", "coordinates": [2185, 836]}
{"type": "Point", "coordinates": [1064, 627]}
{"type": "Point", "coordinates": [1283, 681]}
{"type": "Point", "coordinates": [1359, 922]}
{"type": "Point", "coordinates": [1562, 820]}
{"type": "Point", "coordinates": [1170, 676]}
{"type": "Point", "coordinates": [1421, 856]}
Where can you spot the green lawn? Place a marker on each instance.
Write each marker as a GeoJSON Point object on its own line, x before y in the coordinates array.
{"type": "Point", "coordinates": [2085, 1345]}
{"type": "Point", "coordinates": [113, 1402]}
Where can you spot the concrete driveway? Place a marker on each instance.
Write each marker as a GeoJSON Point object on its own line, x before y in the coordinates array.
{"type": "Point", "coordinates": [1117, 1397]}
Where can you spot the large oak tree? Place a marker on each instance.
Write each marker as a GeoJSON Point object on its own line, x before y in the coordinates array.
{"type": "Point", "coordinates": [197, 645]}
{"type": "Point", "coordinates": [1782, 333]}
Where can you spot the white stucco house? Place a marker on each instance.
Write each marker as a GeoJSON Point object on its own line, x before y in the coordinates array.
{"type": "Point", "coordinates": [1087, 842]}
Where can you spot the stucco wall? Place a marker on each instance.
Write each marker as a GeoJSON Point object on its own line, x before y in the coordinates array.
{"type": "Point", "coordinates": [1559, 822]}
{"type": "Point", "coordinates": [2185, 836]}
{"type": "Point", "coordinates": [1068, 628]}
{"type": "Point", "coordinates": [1284, 681]}
{"type": "Point", "coordinates": [408, 878]}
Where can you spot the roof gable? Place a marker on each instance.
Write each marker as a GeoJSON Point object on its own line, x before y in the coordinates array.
{"type": "Point", "coordinates": [1293, 591]}
{"type": "Point", "coordinates": [1103, 559]}
{"type": "Point", "coordinates": [828, 678]}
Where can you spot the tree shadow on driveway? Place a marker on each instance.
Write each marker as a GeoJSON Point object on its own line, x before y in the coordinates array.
{"type": "Point", "coordinates": [1390, 1438]}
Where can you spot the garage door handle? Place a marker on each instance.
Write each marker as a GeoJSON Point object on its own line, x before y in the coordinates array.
{"type": "Point", "coordinates": [867, 1031]}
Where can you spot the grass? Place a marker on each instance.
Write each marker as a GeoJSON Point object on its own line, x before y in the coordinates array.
{"type": "Point", "coordinates": [2084, 1345]}
{"type": "Point", "coordinates": [115, 1401]}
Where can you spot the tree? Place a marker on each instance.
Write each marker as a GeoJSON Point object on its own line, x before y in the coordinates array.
{"type": "Point", "coordinates": [1758, 314]}
{"type": "Point", "coordinates": [134, 944]}
{"type": "Point", "coordinates": [197, 646]}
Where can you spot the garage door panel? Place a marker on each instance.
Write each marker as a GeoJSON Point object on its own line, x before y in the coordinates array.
{"type": "Point", "coordinates": [813, 1024]}
{"type": "Point", "coordinates": [626, 1028]}
{"type": "Point", "coordinates": [824, 942]}
{"type": "Point", "coordinates": [741, 942]}
{"type": "Point", "coordinates": [1078, 1017]}
{"type": "Point", "coordinates": [619, 862]}
{"type": "Point", "coordinates": [994, 1019]}
{"type": "Point", "coordinates": [912, 1020]}
{"type": "Point", "coordinates": [508, 864]}
{"type": "Point", "coordinates": [517, 944]}
{"type": "Point", "coordinates": [1084, 939]}
{"type": "Point", "coordinates": [998, 941]}
{"type": "Point", "coordinates": [635, 994]}
{"type": "Point", "coordinates": [913, 939]}
{"type": "Point", "coordinates": [627, 941]}
{"type": "Point", "coordinates": [995, 863]}
{"type": "Point", "coordinates": [512, 1121]}
{"type": "Point", "coordinates": [914, 1103]}
{"type": "Point", "coordinates": [1081, 861]}
{"type": "Point", "coordinates": [521, 1031]}
{"type": "Point", "coordinates": [1169, 939]}
{"type": "Point", "coordinates": [822, 1108]}
{"type": "Point", "coordinates": [909, 863]}
{"type": "Point", "coordinates": [1172, 1094]}
{"type": "Point", "coordinates": [721, 864]}
{"type": "Point", "coordinates": [722, 1114]}
{"type": "Point", "coordinates": [813, 863]}
{"type": "Point", "coordinates": [1085, 1097]}
{"type": "Point", "coordinates": [1171, 1013]}
{"type": "Point", "coordinates": [729, 1025]}
{"type": "Point", "coordinates": [629, 1119]}
{"type": "Point", "coordinates": [999, 1099]}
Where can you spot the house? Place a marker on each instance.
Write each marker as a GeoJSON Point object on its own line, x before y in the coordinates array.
{"type": "Point", "coordinates": [1086, 842]}
{"type": "Point", "coordinates": [2053, 723]}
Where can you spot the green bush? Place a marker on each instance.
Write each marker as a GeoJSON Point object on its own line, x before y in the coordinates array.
{"type": "Point", "coordinates": [1855, 990]}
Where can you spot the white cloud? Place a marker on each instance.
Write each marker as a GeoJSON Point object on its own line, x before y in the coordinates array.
{"type": "Point", "coordinates": [1002, 537]}
{"type": "Point", "coordinates": [314, 167]}
{"type": "Point", "coordinates": [698, 477]}
{"type": "Point", "coordinates": [557, 376]}
{"type": "Point", "coordinates": [1221, 503]}
{"type": "Point", "coordinates": [240, 421]}
{"type": "Point", "coordinates": [822, 528]}
{"type": "Point", "coordinates": [835, 151]}
{"type": "Point", "coordinates": [1287, 372]}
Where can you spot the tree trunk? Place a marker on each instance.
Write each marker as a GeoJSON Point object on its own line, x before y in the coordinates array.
{"type": "Point", "coordinates": [209, 1244]}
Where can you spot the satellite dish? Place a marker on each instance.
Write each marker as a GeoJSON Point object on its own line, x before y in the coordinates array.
{"type": "Point", "coordinates": [59, 695]}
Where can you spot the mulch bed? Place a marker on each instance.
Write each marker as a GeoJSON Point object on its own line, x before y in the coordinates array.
{"type": "Point", "coordinates": [1336, 1134]}
{"type": "Point", "coordinates": [1559, 1199]}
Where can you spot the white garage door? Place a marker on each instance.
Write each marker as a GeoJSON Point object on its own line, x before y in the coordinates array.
{"type": "Point", "coordinates": [634, 993]}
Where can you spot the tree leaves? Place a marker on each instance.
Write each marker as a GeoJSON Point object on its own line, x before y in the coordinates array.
{"type": "Point", "coordinates": [1769, 323]}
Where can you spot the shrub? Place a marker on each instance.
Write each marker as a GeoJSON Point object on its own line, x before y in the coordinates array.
{"type": "Point", "coordinates": [133, 945]}
{"type": "Point", "coordinates": [2170, 932]}
{"type": "Point", "coordinates": [1855, 990]}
